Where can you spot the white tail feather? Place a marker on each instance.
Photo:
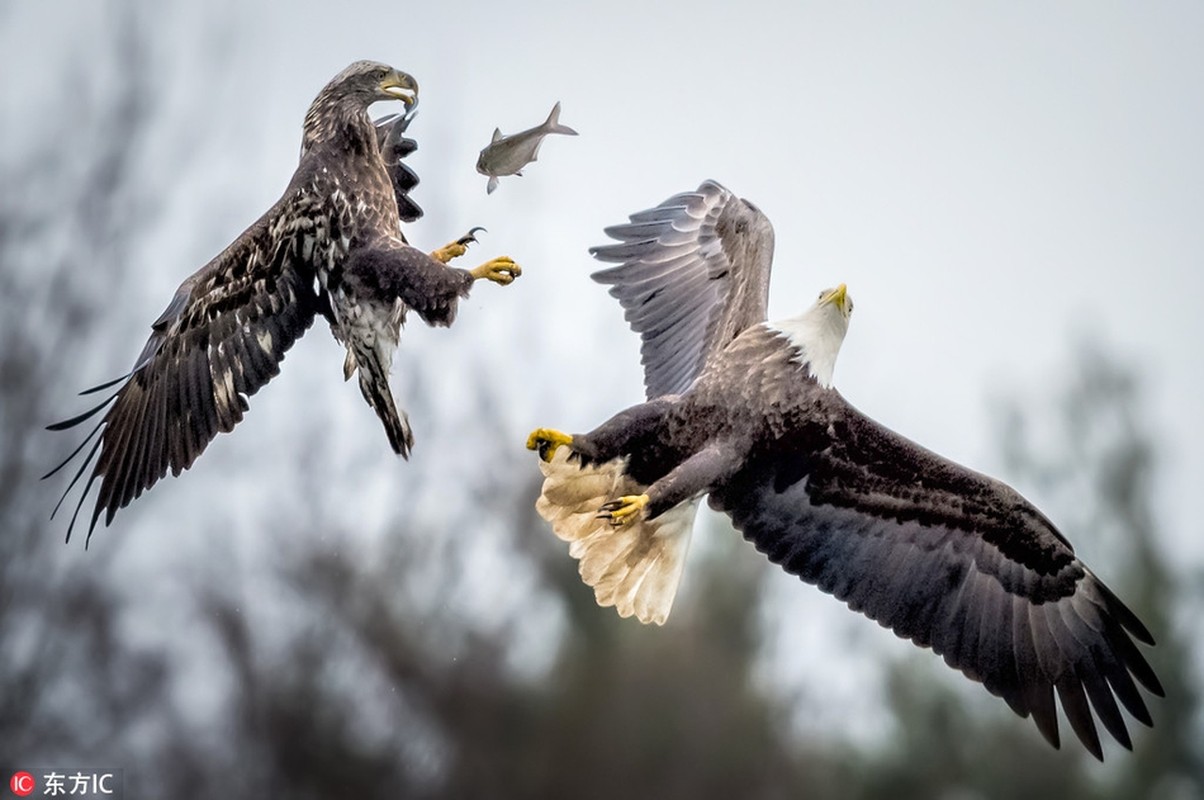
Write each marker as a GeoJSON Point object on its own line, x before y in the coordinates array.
{"type": "Point", "coordinates": [637, 567]}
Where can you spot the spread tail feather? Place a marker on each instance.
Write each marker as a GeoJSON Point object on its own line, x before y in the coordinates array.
{"type": "Point", "coordinates": [374, 385]}
{"type": "Point", "coordinates": [637, 567]}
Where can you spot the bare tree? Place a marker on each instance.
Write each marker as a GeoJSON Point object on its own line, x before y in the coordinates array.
{"type": "Point", "coordinates": [68, 679]}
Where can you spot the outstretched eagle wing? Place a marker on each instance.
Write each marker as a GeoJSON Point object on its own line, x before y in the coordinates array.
{"type": "Point", "coordinates": [948, 558]}
{"type": "Point", "coordinates": [693, 272]}
{"type": "Point", "coordinates": [220, 339]}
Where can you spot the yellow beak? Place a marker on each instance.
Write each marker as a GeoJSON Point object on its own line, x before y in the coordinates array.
{"type": "Point", "coordinates": [838, 296]}
{"type": "Point", "coordinates": [401, 86]}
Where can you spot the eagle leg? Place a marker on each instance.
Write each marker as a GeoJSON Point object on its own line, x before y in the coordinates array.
{"type": "Point", "coordinates": [501, 270]}
{"type": "Point", "coordinates": [449, 251]}
{"type": "Point", "coordinates": [692, 478]}
{"type": "Point", "coordinates": [457, 248]}
{"type": "Point", "coordinates": [624, 510]}
{"type": "Point", "coordinates": [546, 440]}
{"type": "Point", "coordinates": [618, 437]}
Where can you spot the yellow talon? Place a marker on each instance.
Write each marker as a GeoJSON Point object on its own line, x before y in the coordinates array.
{"type": "Point", "coordinates": [501, 270]}
{"type": "Point", "coordinates": [622, 511]}
{"type": "Point", "coordinates": [546, 440]}
{"type": "Point", "coordinates": [449, 251]}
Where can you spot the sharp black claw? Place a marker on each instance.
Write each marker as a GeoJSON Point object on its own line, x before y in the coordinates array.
{"type": "Point", "coordinates": [606, 512]}
{"type": "Point", "coordinates": [470, 236]}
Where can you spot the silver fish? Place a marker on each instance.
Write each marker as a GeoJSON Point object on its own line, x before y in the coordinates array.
{"type": "Point", "coordinates": [507, 155]}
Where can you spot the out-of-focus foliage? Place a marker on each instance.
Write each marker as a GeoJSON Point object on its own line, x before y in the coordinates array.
{"type": "Point", "coordinates": [71, 684]}
{"type": "Point", "coordinates": [1099, 458]}
{"type": "Point", "coordinates": [1090, 451]}
{"type": "Point", "coordinates": [369, 671]}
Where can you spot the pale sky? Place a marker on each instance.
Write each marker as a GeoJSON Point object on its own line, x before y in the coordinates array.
{"type": "Point", "coordinates": [991, 180]}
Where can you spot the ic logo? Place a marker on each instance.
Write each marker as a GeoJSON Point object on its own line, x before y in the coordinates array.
{"type": "Point", "coordinates": [22, 784]}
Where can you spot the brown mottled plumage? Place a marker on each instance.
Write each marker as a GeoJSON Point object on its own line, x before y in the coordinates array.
{"type": "Point", "coordinates": [331, 245]}
{"type": "Point", "coordinates": [744, 412]}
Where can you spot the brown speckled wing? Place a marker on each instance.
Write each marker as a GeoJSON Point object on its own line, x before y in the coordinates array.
{"type": "Point", "coordinates": [220, 339]}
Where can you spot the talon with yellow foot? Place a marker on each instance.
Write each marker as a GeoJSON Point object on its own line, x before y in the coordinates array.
{"type": "Point", "coordinates": [546, 440]}
{"type": "Point", "coordinates": [501, 270]}
{"type": "Point", "coordinates": [449, 251]}
{"type": "Point", "coordinates": [457, 248]}
{"type": "Point", "coordinates": [471, 236]}
{"type": "Point", "coordinates": [624, 510]}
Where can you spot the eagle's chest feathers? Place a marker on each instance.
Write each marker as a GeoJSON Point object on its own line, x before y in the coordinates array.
{"type": "Point", "coordinates": [342, 207]}
{"type": "Point", "coordinates": [349, 211]}
{"type": "Point", "coordinates": [774, 380]}
{"type": "Point", "coordinates": [349, 203]}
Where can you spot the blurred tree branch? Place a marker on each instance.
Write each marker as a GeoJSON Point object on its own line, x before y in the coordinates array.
{"type": "Point", "coordinates": [69, 213]}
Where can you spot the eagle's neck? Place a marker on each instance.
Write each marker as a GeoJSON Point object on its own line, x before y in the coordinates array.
{"type": "Point", "coordinates": [816, 335]}
{"type": "Point", "coordinates": [331, 123]}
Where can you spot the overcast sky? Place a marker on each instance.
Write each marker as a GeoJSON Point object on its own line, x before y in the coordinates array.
{"type": "Point", "coordinates": [992, 180]}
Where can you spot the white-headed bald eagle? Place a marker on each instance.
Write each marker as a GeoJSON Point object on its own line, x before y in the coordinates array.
{"type": "Point", "coordinates": [331, 245]}
{"type": "Point", "coordinates": [744, 411]}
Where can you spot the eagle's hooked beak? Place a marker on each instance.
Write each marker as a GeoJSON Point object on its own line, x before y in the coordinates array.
{"type": "Point", "coordinates": [401, 86]}
{"type": "Point", "coordinates": [838, 297]}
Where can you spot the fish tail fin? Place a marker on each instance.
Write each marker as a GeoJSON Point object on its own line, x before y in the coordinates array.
{"type": "Point", "coordinates": [636, 567]}
{"type": "Point", "coordinates": [493, 182]}
{"type": "Point", "coordinates": [552, 124]}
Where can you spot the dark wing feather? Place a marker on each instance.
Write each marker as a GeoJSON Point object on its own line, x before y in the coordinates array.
{"type": "Point", "coordinates": [220, 339]}
{"type": "Point", "coordinates": [394, 148]}
{"type": "Point", "coordinates": [390, 269]}
{"type": "Point", "coordinates": [948, 558]}
{"type": "Point", "coordinates": [693, 272]}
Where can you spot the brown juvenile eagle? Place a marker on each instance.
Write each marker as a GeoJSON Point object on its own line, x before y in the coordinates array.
{"type": "Point", "coordinates": [744, 411]}
{"type": "Point", "coordinates": [331, 245]}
